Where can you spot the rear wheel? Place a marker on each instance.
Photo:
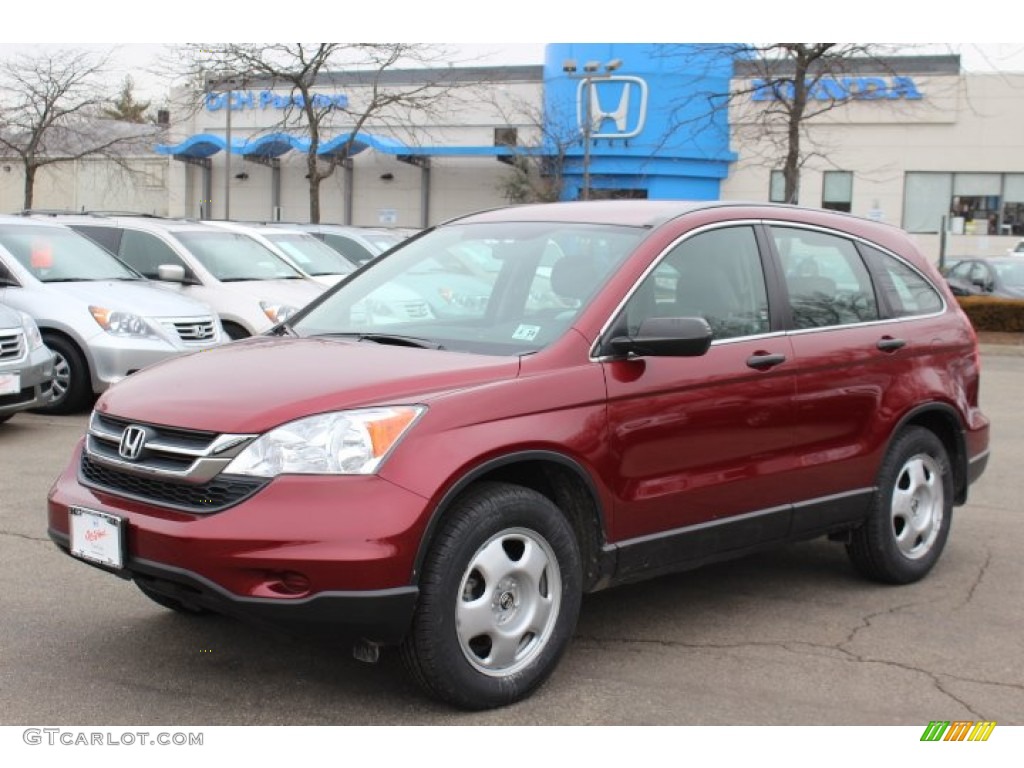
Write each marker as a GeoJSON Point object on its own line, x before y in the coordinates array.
{"type": "Point", "coordinates": [499, 598]}
{"type": "Point", "coordinates": [72, 388]}
{"type": "Point", "coordinates": [910, 516]}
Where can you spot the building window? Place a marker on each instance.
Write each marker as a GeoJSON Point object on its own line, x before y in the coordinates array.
{"type": "Point", "coordinates": [1012, 222]}
{"type": "Point", "coordinates": [837, 191]}
{"type": "Point", "coordinates": [970, 203]}
{"type": "Point", "coordinates": [506, 137]}
{"type": "Point", "coordinates": [777, 188]}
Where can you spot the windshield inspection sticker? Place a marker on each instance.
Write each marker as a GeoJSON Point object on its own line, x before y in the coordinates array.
{"type": "Point", "coordinates": [526, 332]}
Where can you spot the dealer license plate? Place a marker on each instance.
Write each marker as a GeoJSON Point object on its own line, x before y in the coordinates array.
{"type": "Point", "coordinates": [97, 536]}
{"type": "Point", "coordinates": [10, 383]}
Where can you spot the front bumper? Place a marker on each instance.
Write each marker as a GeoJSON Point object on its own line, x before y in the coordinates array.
{"type": "Point", "coordinates": [114, 358]}
{"type": "Point", "coordinates": [36, 375]}
{"type": "Point", "coordinates": [321, 555]}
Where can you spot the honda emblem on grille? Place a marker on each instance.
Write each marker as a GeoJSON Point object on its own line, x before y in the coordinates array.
{"type": "Point", "coordinates": [133, 440]}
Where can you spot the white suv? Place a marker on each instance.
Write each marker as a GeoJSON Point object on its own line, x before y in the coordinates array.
{"type": "Point", "coordinates": [249, 286]}
{"type": "Point", "coordinates": [102, 320]}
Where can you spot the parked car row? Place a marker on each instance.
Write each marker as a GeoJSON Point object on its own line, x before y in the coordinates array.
{"type": "Point", "coordinates": [107, 295]}
{"type": "Point", "coordinates": [1000, 276]}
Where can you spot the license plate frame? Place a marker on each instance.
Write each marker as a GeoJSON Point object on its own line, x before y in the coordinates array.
{"type": "Point", "coordinates": [97, 537]}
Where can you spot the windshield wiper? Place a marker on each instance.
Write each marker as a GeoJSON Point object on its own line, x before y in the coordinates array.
{"type": "Point", "coordinates": [390, 338]}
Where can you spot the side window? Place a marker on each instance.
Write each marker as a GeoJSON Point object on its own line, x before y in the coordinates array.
{"type": "Point", "coordinates": [350, 249]}
{"type": "Point", "coordinates": [107, 237]}
{"type": "Point", "coordinates": [716, 275]}
{"type": "Point", "coordinates": [962, 270]}
{"type": "Point", "coordinates": [905, 290]}
{"type": "Point", "coordinates": [827, 281]}
{"type": "Point", "coordinates": [147, 252]}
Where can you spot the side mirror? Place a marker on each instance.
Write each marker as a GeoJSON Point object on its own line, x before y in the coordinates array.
{"type": "Point", "coordinates": [666, 337]}
{"type": "Point", "coordinates": [171, 273]}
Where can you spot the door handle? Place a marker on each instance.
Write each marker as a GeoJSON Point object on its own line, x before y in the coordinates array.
{"type": "Point", "coordinates": [889, 344]}
{"type": "Point", "coordinates": [763, 360]}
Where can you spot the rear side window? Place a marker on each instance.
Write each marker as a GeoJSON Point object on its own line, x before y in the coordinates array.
{"type": "Point", "coordinates": [350, 249]}
{"type": "Point", "coordinates": [108, 237]}
{"type": "Point", "coordinates": [905, 290]}
{"type": "Point", "coordinates": [827, 281]}
{"type": "Point", "coordinates": [146, 253]}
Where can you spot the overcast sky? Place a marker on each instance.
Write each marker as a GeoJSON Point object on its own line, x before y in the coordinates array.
{"type": "Point", "coordinates": [139, 59]}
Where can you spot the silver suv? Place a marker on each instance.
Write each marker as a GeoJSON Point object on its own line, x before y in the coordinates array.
{"type": "Point", "coordinates": [102, 320]}
{"type": "Point", "coordinates": [26, 365]}
{"type": "Point", "coordinates": [247, 285]}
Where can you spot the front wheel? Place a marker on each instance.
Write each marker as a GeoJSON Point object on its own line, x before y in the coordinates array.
{"type": "Point", "coordinates": [72, 388]}
{"type": "Point", "coordinates": [499, 598]}
{"type": "Point", "coordinates": [910, 516]}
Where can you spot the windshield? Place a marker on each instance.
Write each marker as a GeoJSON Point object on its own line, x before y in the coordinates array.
{"type": "Point", "coordinates": [497, 288]}
{"type": "Point", "coordinates": [311, 255]}
{"type": "Point", "coordinates": [56, 254]}
{"type": "Point", "coordinates": [230, 256]}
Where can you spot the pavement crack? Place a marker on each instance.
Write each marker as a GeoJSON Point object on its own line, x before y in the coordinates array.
{"type": "Point", "coordinates": [800, 647]}
{"type": "Point", "coordinates": [25, 536]}
{"type": "Point", "coordinates": [977, 581]}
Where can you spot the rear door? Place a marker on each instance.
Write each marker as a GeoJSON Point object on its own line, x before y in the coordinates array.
{"type": "Point", "coordinates": [852, 364]}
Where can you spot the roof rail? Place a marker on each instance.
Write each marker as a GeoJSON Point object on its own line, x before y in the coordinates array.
{"type": "Point", "coordinates": [140, 214]}
{"type": "Point", "coordinates": [47, 212]}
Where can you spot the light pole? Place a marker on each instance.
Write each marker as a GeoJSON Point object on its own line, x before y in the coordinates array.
{"type": "Point", "coordinates": [230, 82]}
{"type": "Point", "coordinates": [592, 70]}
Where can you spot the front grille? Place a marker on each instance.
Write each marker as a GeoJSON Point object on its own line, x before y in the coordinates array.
{"type": "Point", "coordinates": [218, 494]}
{"type": "Point", "coordinates": [12, 345]}
{"type": "Point", "coordinates": [194, 331]}
{"type": "Point", "coordinates": [169, 466]}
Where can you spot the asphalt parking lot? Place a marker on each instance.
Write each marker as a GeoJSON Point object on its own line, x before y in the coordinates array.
{"type": "Point", "coordinates": [792, 637]}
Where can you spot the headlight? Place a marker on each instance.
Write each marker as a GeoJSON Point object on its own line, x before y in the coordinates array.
{"type": "Point", "coordinates": [341, 443]}
{"type": "Point", "coordinates": [121, 323]}
{"type": "Point", "coordinates": [277, 313]}
{"type": "Point", "coordinates": [32, 335]}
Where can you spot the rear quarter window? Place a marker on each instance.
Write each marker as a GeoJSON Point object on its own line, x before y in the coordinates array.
{"type": "Point", "coordinates": [905, 291]}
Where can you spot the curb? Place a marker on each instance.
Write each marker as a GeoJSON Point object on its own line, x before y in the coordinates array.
{"type": "Point", "coordinates": [1002, 350]}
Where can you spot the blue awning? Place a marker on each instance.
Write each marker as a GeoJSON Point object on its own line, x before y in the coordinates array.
{"type": "Point", "coordinates": [203, 145]}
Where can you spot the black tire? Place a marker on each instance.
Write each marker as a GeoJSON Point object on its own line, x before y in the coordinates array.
{"type": "Point", "coordinates": [526, 609]}
{"type": "Point", "coordinates": [234, 331]}
{"type": "Point", "coordinates": [169, 602]}
{"type": "Point", "coordinates": [910, 516]}
{"type": "Point", "coordinates": [72, 386]}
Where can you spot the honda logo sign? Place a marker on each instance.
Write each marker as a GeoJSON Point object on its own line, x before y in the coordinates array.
{"type": "Point", "coordinates": [620, 99]}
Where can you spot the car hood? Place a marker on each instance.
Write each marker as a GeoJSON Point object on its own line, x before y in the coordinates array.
{"type": "Point", "coordinates": [252, 385]}
{"type": "Point", "coordinates": [136, 296]}
{"type": "Point", "coordinates": [9, 318]}
{"type": "Point", "coordinates": [297, 293]}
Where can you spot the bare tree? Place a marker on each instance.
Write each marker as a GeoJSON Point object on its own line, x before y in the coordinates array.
{"type": "Point", "coordinates": [50, 112]}
{"type": "Point", "coordinates": [537, 168]}
{"type": "Point", "coordinates": [303, 68]}
{"type": "Point", "coordinates": [778, 91]}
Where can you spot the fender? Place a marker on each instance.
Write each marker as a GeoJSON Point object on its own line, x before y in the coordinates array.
{"type": "Point", "coordinates": [605, 554]}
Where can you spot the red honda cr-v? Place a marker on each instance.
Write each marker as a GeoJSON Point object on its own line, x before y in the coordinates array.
{"type": "Point", "coordinates": [602, 392]}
